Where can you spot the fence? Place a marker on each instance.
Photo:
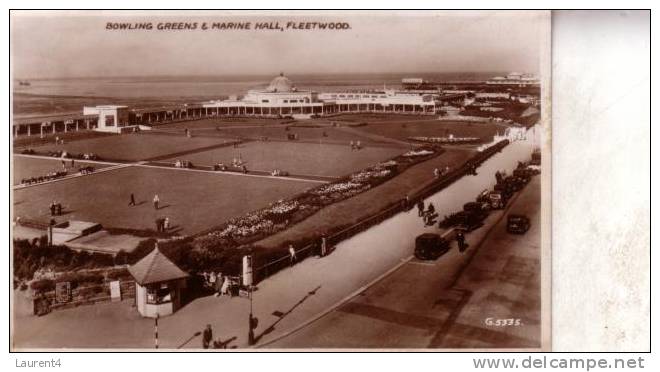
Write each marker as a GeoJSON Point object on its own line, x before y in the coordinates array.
{"type": "Point", "coordinates": [87, 295]}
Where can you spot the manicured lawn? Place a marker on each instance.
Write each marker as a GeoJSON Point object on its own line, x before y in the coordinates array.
{"type": "Point", "coordinates": [368, 203]}
{"type": "Point", "coordinates": [24, 167]}
{"type": "Point", "coordinates": [193, 200]}
{"type": "Point", "coordinates": [134, 146]}
{"type": "Point", "coordinates": [305, 133]}
{"type": "Point", "coordinates": [402, 130]}
{"type": "Point", "coordinates": [296, 158]}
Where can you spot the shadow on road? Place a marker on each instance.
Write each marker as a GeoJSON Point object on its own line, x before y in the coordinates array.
{"type": "Point", "coordinates": [281, 316]}
{"type": "Point", "coordinates": [190, 339]}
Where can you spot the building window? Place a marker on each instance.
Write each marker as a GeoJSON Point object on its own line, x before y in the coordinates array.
{"type": "Point", "coordinates": [109, 121]}
{"type": "Point", "coordinates": [264, 101]}
{"type": "Point", "coordinates": [159, 294]}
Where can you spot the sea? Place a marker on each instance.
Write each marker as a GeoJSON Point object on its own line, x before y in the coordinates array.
{"type": "Point", "coordinates": [65, 95]}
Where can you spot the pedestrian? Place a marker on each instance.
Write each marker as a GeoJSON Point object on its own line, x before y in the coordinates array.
{"type": "Point", "coordinates": [212, 280]}
{"type": "Point", "coordinates": [59, 209]}
{"type": "Point", "coordinates": [460, 238]}
{"type": "Point", "coordinates": [52, 208]}
{"type": "Point", "coordinates": [436, 172]}
{"type": "Point", "coordinates": [324, 246]}
{"type": "Point", "coordinates": [420, 208]}
{"type": "Point", "coordinates": [292, 255]}
{"type": "Point", "coordinates": [132, 202]}
{"type": "Point", "coordinates": [158, 224]}
{"type": "Point", "coordinates": [63, 164]}
{"type": "Point", "coordinates": [224, 290]}
{"type": "Point", "coordinates": [431, 209]}
{"type": "Point", "coordinates": [73, 162]}
{"type": "Point", "coordinates": [166, 224]}
{"type": "Point", "coordinates": [219, 282]}
{"type": "Point", "coordinates": [352, 145]}
{"type": "Point", "coordinates": [57, 140]}
{"type": "Point", "coordinates": [207, 338]}
{"type": "Point", "coordinates": [156, 201]}
{"type": "Point", "coordinates": [245, 169]}
{"type": "Point", "coordinates": [358, 145]}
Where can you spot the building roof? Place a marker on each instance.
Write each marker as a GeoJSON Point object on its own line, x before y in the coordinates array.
{"type": "Point", "coordinates": [51, 118]}
{"type": "Point", "coordinates": [155, 268]}
{"type": "Point", "coordinates": [281, 84]}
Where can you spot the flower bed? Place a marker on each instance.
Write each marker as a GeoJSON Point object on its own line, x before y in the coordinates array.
{"type": "Point", "coordinates": [414, 153]}
{"type": "Point", "coordinates": [450, 139]}
{"type": "Point", "coordinates": [222, 248]}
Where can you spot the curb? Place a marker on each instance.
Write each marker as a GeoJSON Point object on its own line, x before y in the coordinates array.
{"type": "Point", "coordinates": [337, 304]}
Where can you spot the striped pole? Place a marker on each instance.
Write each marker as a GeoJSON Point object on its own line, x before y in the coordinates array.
{"type": "Point", "coordinates": [156, 331]}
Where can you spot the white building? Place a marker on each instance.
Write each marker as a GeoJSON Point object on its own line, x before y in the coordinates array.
{"type": "Point", "coordinates": [282, 98]}
{"type": "Point", "coordinates": [516, 79]}
{"type": "Point", "coordinates": [111, 118]}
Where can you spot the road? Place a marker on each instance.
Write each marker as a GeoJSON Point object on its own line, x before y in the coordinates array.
{"type": "Point", "coordinates": [445, 304]}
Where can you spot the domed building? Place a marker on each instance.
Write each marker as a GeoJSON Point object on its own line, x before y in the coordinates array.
{"type": "Point", "coordinates": [282, 98]}
{"type": "Point", "coordinates": [281, 84]}
{"type": "Point", "coordinates": [279, 98]}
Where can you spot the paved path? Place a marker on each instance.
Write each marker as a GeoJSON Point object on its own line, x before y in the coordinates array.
{"type": "Point", "coordinates": [444, 303]}
{"type": "Point", "coordinates": [143, 163]}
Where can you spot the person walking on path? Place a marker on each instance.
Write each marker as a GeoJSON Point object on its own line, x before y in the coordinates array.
{"type": "Point", "coordinates": [219, 283]}
{"type": "Point", "coordinates": [132, 202]}
{"type": "Point", "coordinates": [207, 337]}
{"type": "Point", "coordinates": [420, 208]}
{"type": "Point", "coordinates": [292, 255]}
{"type": "Point", "coordinates": [324, 246]}
{"type": "Point", "coordinates": [212, 280]}
{"type": "Point", "coordinates": [156, 201]}
{"type": "Point", "coordinates": [224, 290]}
{"type": "Point", "coordinates": [460, 238]}
{"type": "Point", "coordinates": [166, 224]}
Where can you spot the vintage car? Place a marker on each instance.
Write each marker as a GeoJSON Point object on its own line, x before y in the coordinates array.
{"type": "Point", "coordinates": [476, 206]}
{"type": "Point", "coordinates": [517, 224]}
{"type": "Point", "coordinates": [430, 246]}
{"type": "Point", "coordinates": [497, 200]}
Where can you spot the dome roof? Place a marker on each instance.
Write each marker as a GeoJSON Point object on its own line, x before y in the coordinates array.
{"type": "Point", "coordinates": [281, 84]}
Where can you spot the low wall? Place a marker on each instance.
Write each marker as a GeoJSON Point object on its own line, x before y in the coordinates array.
{"type": "Point", "coordinates": [88, 295]}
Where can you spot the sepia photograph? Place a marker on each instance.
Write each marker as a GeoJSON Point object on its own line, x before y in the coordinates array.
{"type": "Point", "coordinates": [275, 181]}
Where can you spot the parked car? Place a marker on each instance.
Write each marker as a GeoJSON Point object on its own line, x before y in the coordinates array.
{"type": "Point", "coordinates": [476, 206]}
{"type": "Point", "coordinates": [497, 200]}
{"type": "Point", "coordinates": [517, 224]}
{"type": "Point", "coordinates": [471, 220]}
{"type": "Point", "coordinates": [430, 246]}
{"type": "Point", "coordinates": [484, 196]}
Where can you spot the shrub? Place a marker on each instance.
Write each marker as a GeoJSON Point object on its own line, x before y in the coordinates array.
{"type": "Point", "coordinates": [117, 274]}
{"type": "Point", "coordinates": [43, 285]}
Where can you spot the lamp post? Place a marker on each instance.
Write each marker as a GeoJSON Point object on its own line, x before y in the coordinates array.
{"type": "Point", "coordinates": [247, 273]}
{"type": "Point", "coordinates": [251, 323]}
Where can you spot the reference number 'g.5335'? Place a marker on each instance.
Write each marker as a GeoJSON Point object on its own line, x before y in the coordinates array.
{"type": "Point", "coordinates": [494, 322]}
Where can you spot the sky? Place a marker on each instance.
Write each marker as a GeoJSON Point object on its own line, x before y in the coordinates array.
{"type": "Point", "coordinates": [51, 44]}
